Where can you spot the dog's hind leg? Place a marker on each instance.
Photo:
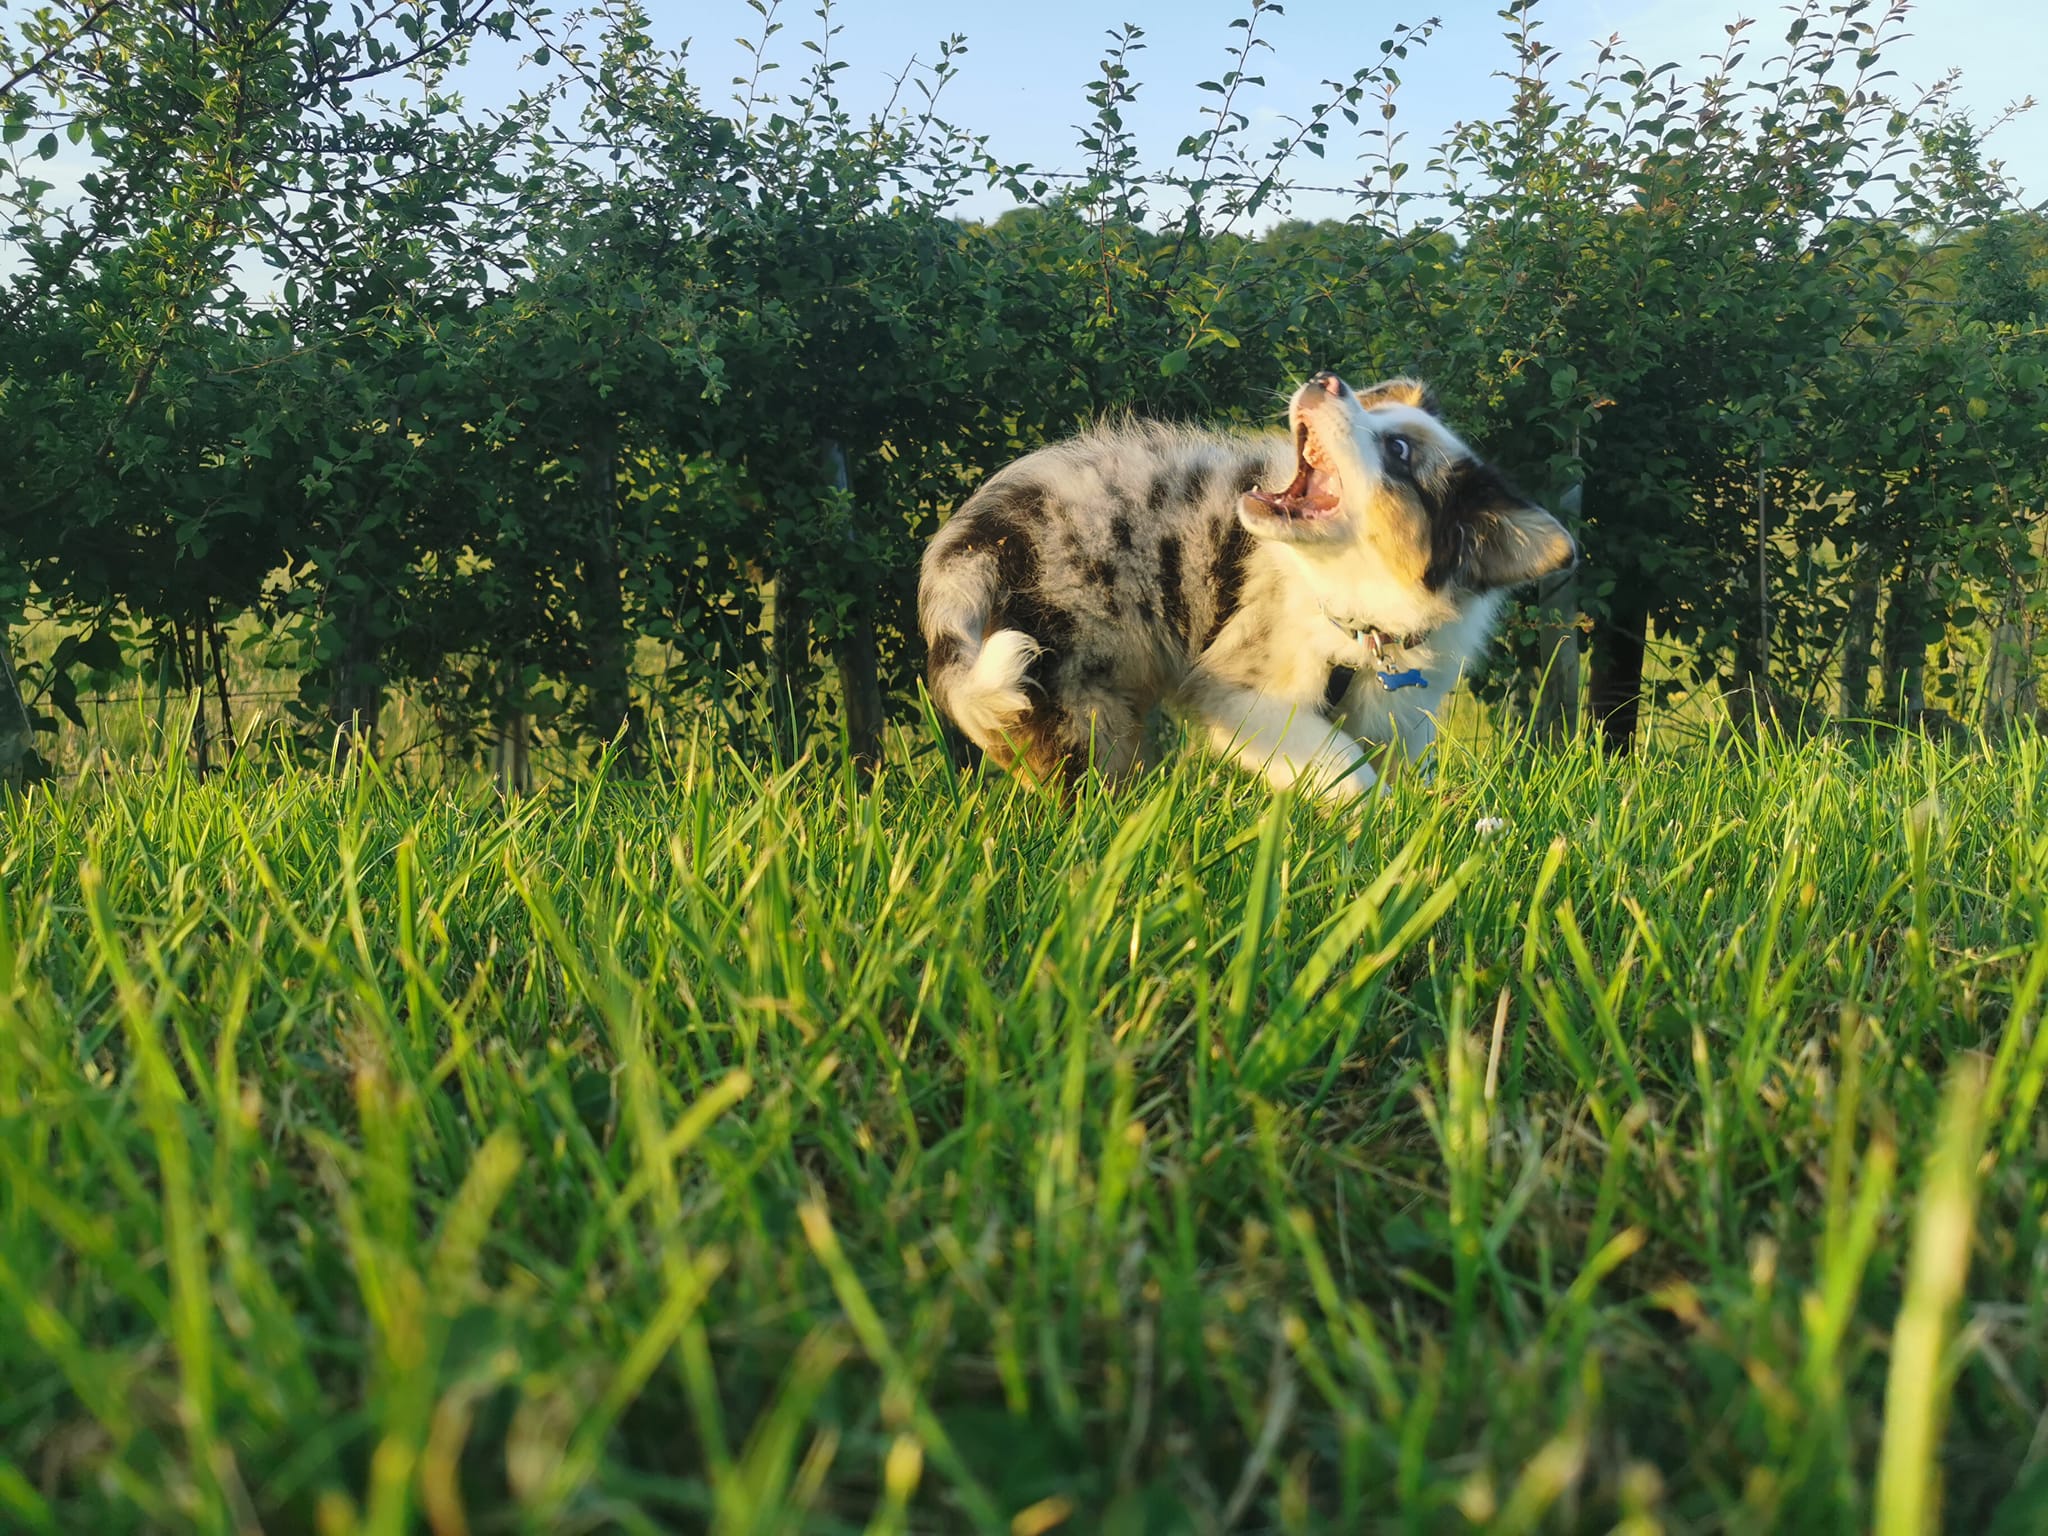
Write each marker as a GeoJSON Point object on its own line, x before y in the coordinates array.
{"type": "Point", "coordinates": [1101, 731]}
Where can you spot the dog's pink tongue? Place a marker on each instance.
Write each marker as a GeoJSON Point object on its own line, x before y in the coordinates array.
{"type": "Point", "coordinates": [1317, 495]}
{"type": "Point", "coordinates": [1310, 491]}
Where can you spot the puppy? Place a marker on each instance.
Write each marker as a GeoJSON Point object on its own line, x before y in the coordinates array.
{"type": "Point", "coordinates": [1307, 601]}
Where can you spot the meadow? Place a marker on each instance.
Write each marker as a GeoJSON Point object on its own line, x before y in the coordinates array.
{"type": "Point", "coordinates": [1591, 1139]}
{"type": "Point", "coordinates": [748, 1153]}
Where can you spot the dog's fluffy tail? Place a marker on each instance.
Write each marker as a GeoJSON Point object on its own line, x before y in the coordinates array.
{"type": "Point", "coordinates": [985, 696]}
{"type": "Point", "coordinates": [977, 678]}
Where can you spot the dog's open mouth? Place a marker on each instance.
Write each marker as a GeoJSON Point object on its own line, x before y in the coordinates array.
{"type": "Point", "coordinates": [1311, 495]}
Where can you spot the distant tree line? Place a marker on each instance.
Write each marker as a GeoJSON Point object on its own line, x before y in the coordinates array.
{"type": "Point", "coordinates": [620, 395]}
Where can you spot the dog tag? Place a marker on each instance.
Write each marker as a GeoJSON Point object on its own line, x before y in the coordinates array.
{"type": "Point", "coordinates": [1409, 679]}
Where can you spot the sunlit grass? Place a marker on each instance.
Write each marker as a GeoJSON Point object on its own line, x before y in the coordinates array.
{"type": "Point", "coordinates": [784, 1154]}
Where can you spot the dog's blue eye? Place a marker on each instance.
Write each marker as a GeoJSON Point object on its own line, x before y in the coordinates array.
{"type": "Point", "coordinates": [1400, 448]}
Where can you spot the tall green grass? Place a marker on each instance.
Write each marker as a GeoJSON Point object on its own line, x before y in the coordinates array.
{"type": "Point", "coordinates": [785, 1154]}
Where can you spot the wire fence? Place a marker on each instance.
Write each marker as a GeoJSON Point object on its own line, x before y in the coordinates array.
{"type": "Point", "coordinates": [143, 695]}
{"type": "Point", "coordinates": [151, 717]}
{"type": "Point", "coordinates": [143, 722]}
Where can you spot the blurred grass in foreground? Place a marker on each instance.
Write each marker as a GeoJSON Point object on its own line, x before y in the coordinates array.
{"type": "Point", "coordinates": [783, 1155]}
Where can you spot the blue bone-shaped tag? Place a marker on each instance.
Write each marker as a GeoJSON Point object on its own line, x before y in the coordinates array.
{"type": "Point", "coordinates": [1409, 679]}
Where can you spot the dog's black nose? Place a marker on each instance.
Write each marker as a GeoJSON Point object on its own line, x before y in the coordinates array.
{"type": "Point", "coordinates": [1328, 382]}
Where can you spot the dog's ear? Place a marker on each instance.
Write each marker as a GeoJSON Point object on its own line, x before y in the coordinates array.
{"type": "Point", "coordinates": [1401, 392]}
{"type": "Point", "coordinates": [1518, 544]}
{"type": "Point", "coordinates": [1488, 535]}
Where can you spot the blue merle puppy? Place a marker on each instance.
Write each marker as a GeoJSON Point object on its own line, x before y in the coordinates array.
{"type": "Point", "coordinates": [1305, 600]}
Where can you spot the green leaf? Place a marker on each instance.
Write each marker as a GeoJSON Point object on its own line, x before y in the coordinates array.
{"type": "Point", "coordinates": [64, 694]}
{"type": "Point", "coordinates": [100, 651]}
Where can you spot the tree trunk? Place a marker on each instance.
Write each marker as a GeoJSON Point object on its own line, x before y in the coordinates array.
{"type": "Point", "coordinates": [1859, 638]}
{"type": "Point", "coordinates": [1905, 644]}
{"type": "Point", "coordinates": [216, 644]}
{"type": "Point", "coordinates": [789, 691]}
{"type": "Point", "coordinates": [854, 652]}
{"type": "Point", "coordinates": [611, 687]}
{"type": "Point", "coordinates": [1615, 688]}
{"type": "Point", "coordinates": [2011, 687]}
{"type": "Point", "coordinates": [509, 759]}
{"type": "Point", "coordinates": [355, 693]}
{"type": "Point", "coordinates": [1747, 694]}
{"type": "Point", "coordinates": [1552, 686]}
{"type": "Point", "coordinates": [1750, 699]}
{"type": "Point", "coordinates": [1747, 701]}
{"type": "Point", "coordinates": [860, 686]}
{"type": "Point", "coordinates": [191, 644]}
{"type": "Point", "coordinates": [19, 761]}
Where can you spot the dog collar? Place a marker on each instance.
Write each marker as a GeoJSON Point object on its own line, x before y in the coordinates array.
{"type": "Point", "coordinates": [1378, 642]}
{"type": "Point", "coordinates": [1375, 638]}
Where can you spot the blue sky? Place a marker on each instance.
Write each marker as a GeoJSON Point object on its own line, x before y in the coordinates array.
{"type": "Point", "coordinates": [1027, 64]}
